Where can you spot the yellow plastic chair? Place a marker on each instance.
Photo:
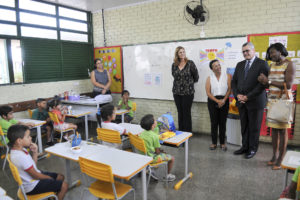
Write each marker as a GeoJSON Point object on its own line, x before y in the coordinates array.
{"type": "Point", "coordinates": [54, 119]}
{"type": "Point", "coordinates": [140, 147]}
{"type": "Point", "coordinates": [4, 145]}
{"type": "Point", "coordinates": [110, 136]}
{"type": "Point", "coordinates": [30, 113]}
{"type": "Point", "coordinates": [21, 192]}
{"type": "Point", "coordinates": [105, 187]}
{"type": "Point", "coordinates": [133, 109]}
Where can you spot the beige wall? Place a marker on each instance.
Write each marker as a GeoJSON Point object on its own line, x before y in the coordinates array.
{"type": "Point", "coordinates": [164, 21]}
{"type": "Point", "coordinates": [25, 92]}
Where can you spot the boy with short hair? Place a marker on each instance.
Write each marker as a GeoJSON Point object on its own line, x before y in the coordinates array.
{"type": "Point", "coordinates": [125, 103]}
{"type": "Point", "coordinates": [7, 120]}
{"type": "Point", "coordinates": [40, 113]}
{"type": "Point", "coordinates": [34, 180]}
{"type": "Point", "coordinates": [151, 140]}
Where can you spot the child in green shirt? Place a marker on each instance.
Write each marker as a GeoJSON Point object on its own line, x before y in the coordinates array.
{"type": "Point", "coordinates": [41, 114]}
{"type": "Point", "coordinates": [151, 140]}
{"type": "Point", "coordinates": [125, 103]}
{"type": "Point", "coordinates": [290, 191]}
{"type": "Point", "coordinates": [7, 119]}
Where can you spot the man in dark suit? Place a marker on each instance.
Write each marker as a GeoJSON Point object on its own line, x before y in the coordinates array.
{"type": "Point", "coordinates": [251, 98]}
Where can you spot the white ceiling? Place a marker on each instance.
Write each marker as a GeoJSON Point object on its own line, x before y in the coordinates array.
{"type": "Point", "coordinates": [96, 5]}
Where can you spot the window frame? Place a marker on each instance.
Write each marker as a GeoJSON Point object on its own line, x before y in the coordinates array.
{"type": "Point", "coordinates": [58, 29]}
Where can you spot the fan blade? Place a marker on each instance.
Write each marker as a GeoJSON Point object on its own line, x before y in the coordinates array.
{"type": "Point", "coordinates": [202, 18]}
{"type": "Point", "coordinates": [196, 21]}
{"type": "Point", "coordinates": [189, 10]}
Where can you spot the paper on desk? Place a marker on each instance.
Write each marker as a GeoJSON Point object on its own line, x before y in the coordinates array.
{"type": "Point", "coordinates": [294, 160]}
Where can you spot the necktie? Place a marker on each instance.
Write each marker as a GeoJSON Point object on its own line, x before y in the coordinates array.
{"type": "Point", "coordinates": [247, 69]}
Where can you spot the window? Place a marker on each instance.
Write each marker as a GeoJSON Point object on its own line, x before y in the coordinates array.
{"type": "Point", "coordinates": [8, 29]}
{"type": "Point", "coordinates": [9, 3]}
{"type": "Point", "coordinates": [37, 19]}
{"type": "Point", "coordinates": [65, 12]}
{"type": "Point", "coordinates": [17, 61]}
{"type": "Point", "coordinates": [48, 42]}
{"type": "Point", "coordinates": [38, 32]}
{"type": "Point", "coordinates": [67, 24]}
{"type": "Point", "coordinates": [37, 6]}
{"type": "Point", "coordinates": [73, 36]}
{"type": "Point", "coordinates": [7, 15]}
{"type": "Point", "coordinates": [4, 73]}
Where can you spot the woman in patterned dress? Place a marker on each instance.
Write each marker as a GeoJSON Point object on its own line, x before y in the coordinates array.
{"type": "Point", "coordinates": [185, 74]}
{"type": "Point", "coordinates": [282, 71]}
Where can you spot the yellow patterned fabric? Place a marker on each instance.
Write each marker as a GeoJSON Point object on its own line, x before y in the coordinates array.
{"type": "Point", "coordinates": [277, 73]}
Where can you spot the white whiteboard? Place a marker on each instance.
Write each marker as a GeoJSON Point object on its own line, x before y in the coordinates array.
{"type": "Point", "coordinates": [147, 68]}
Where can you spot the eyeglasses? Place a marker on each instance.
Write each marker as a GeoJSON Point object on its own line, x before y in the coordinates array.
{"type": "Point", "coordinates": [246, 51]}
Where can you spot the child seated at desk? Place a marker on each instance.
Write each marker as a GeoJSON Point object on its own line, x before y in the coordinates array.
{"type": "Point", "coordinates": [56, 108]}
{"type": "Point", "coordinates": [34, 181]}
{"type": "Point", "coordinates": [126, 104]}
{"type": "Point", "coordinates": [151, 140]}
{"type": "Point", "coordinates": [41, 114]}
{"type": "Point", "coordinates": [7, 119]}
{"type": "Point", "coordinates": [290, 191]}
{"type": "Point", "coordinates": [108, 114]}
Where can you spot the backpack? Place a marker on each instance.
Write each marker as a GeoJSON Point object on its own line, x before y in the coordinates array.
{"type": "Point", "coordinates": [166, 123]}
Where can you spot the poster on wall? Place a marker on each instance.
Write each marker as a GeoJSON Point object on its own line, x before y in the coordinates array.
{"type": "Point", "coordinates": [291, 40]}
{"type": "Point", "coordinates": [112, 62]}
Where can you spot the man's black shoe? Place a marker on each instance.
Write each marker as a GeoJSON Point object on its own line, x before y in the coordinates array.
{"type": "Point", "coordinates": [250, 154]}
{"type": "Point", "coordinates": [240, 151]}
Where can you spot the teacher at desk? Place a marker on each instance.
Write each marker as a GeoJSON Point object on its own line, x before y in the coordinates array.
{"type": "Point", "coordinates": [100, 79]}
{"type": "Point", "coordinates": [185, 74]}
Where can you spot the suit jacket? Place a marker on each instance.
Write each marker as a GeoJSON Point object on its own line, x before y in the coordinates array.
{"type": "Point", "coordinates": [250, 86]}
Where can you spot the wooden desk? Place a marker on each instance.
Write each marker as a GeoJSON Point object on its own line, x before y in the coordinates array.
{"type": "Point", "coordinates": [37, 125]}
{"type": "Point", "coordinates": [174, 141]}
{"type": "Point", "coordinates": [291, 161]}
{"type": "Point", "coordinates": [81, 113]}
{"type": "Point", "coordinates": [124, 164]}
{"type": "Point", "coordinates": [122, 112]}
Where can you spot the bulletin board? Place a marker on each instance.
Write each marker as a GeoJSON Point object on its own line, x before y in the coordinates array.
{"type": "Point", "coordinates": [291, 40]}
{"type": "Point", "coordinates": [112, 62]}
{"type": "Point", "coordinates": [147, 68]}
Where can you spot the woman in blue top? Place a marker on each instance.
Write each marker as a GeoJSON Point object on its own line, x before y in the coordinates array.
{"type": "Point", "coordinates": [100, 78]}
{"type": "Point", "coordinates": [185, 74]}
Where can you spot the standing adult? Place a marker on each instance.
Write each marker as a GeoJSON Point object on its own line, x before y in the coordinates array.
{"type": "Point", "coordinates": [282, 71]}
{"type": "Point", "coordinates": [185, 74]}
{"type": "Point", "coordinates": [218, 88]}
{"type": "Point", "coordinates": [251, 97]}
{"type": "Point", "coordinates": [100, 78]}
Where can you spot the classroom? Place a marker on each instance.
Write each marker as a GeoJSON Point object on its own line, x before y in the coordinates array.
{"type": "Point", "coordinates": [48, 50]}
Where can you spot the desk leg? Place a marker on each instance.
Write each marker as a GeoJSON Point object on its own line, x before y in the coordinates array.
{"type": "Point", "coordinates": [86, 128]}
{"type": "Point", "coordinates": [285, 179]}
{"type": "Point", "coordinates": [69, 176]}
{"type": "Point", "coordinates": [39, 135]}
{"type": "Point", "coordinates": [186, 159]}
{"type": "Point", "coordinates": [68, 172]}
{"type": "Point", "coordinates": [144, 184]}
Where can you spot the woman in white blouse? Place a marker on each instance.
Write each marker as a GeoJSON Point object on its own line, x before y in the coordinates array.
{"type": "Point", "coordinates": [218, 87]}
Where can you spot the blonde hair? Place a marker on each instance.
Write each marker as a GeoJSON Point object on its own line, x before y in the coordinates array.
{"type": "Point", "coordinates": [176, 58]}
